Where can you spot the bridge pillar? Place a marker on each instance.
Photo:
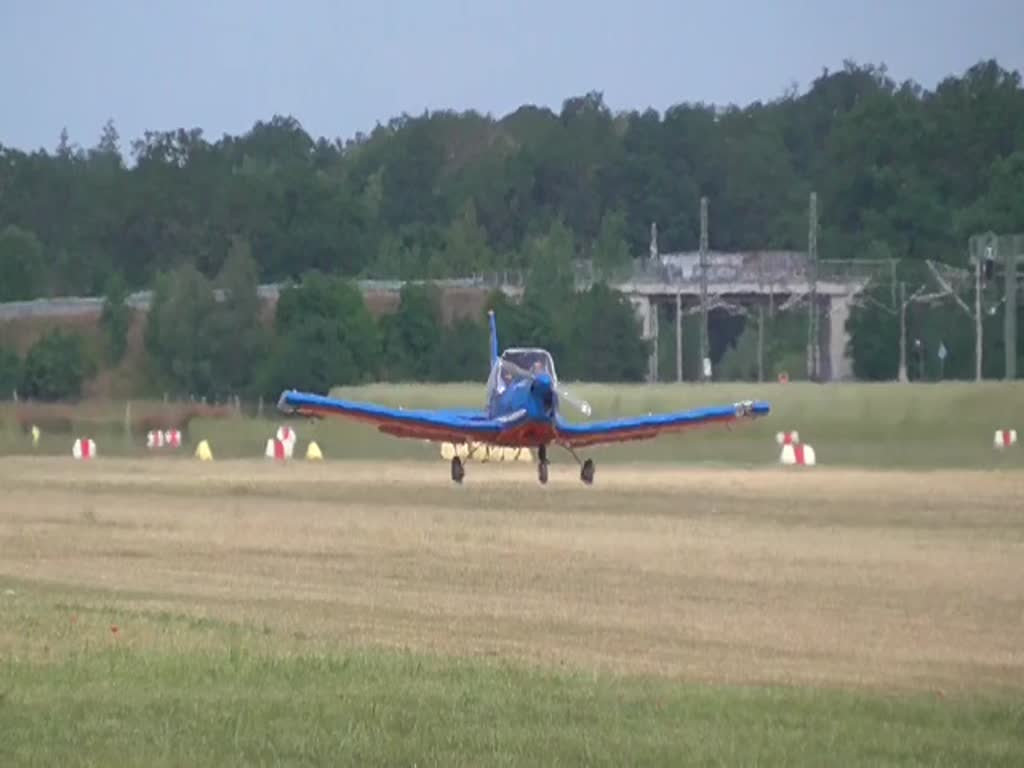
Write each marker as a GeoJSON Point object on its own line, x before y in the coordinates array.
{"type": "Point", "coordinates": [647, 311]}
{"type": "Point", "coordinates": [840, 365]}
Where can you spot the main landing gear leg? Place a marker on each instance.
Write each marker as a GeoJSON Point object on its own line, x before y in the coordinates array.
{"type": "Point", "coordinates": [458, 472]}
{"type": "Point", "coordinates": [586, 467]}
{"type": "Point", "coordinates": [542, 464]}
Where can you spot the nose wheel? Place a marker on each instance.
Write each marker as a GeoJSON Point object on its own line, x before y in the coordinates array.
{"type": "Point", "coordinates": [542, 464]}
{"type": "Point", "coordinates": [458, 471]}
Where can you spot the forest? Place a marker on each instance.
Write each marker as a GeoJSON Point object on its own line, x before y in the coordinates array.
{"type": "Point", "coordinates": [901, 172]}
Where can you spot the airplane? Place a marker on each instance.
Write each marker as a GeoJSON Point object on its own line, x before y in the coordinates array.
{"type": "Point", "coordinates": [522, 411]}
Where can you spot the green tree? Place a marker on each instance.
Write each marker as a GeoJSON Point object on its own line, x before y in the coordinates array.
{"type": "Point", "coordinates": [739, 362]}
{"type": "Point", "coordinates": [326, 337]}
{"type": "Point", "coordinates": [611, 251]}
{"type": "Point", "coordinates": [413, 341]}
{"type": "Point", "coordinates": [448, 193]}
{"type": "Point", "coordinates": [465, 251]}
{"type": "Point", "coordinates": [544, 317]}
{"type": "Point", "coordinates": [1001, 209]}
{"type": "Point", "coordinates": [55, 367]}
{"type": "Point", "coordinates": [21, 264]}
{"type": "Point", "coordinates": [116, 317]}
{"type": "Point", "coordinates": [874, 332]}
{"type": "Point", "coordinates": [237, 327]}
{"type": "Point", "coordinates": [464, 351]}
{"type": "Point", "coordinates": [10, 372]}
{"type": "Point", "coordinates": [605, 343]}
{"type": "Point", "coordinates": [178, 336]}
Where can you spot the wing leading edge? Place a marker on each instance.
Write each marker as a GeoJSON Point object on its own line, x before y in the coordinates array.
{"type": "Point", "coordinates": [647, 427]}
{"type": "Point", "coordinates": [444, 426]}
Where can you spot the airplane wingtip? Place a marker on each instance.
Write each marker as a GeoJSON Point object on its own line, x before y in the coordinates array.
{"type": "Point", "coordinates": [282, 402]}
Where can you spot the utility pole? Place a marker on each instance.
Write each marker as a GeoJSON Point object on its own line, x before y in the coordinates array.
{"type": "Point", "coordinates": [703, 284]}
{"type": "Point", "coordinates": [903, 333]}
{"type": "Point", "coordinates": [679, 336]}
{"type": "Point", "coordinates": [1010, 307]}
{"type": "Point", "coordinates": [977, 317]}
{"type": "Point", "coordinates": [812, 269]}
{"type": "Point", "coordinates": [760, 342]}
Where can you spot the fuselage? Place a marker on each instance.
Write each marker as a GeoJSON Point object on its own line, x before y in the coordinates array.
{"type": "Point", "coordinates": [530, 408]}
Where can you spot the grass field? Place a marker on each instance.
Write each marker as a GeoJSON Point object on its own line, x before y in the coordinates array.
{"type": "Point", "coordinates": [372, 613]}
{"type": "Point", "coordinates": [868, 425]}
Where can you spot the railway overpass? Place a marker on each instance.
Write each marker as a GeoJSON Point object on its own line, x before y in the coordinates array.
{"type": "Point", "coordinates": [740, 283]}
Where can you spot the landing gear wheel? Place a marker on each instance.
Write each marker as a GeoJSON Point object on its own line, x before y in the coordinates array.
{"type": "Point", "coordinates": [458, 472]}
{"type": "Point", "coordinates": [587, 472]}
{"type": "Point", "coordinates": [542, 472]}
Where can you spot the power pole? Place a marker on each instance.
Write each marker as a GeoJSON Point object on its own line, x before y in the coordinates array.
{"type": "Point", "coordinates": [812, 270]}
{"type": "Point", "coordinates": [977, 317]}
{"type": "Point", "coordinates": [903, 333]}
{"type": "Point", "coordinates": [760, 342]}
{"type": "Point", "coordinates": [703, 283]}
{"type": "Point", "coordinates": [679, 336]}
{"type": "Point", "coordinates": [1010, 307]}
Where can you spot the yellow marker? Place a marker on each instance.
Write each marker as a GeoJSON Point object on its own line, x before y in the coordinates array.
{"type": "Point", "coordinates": [35, 435]}
{"type": "Point", "coordinates": [203, 452]}
{"type": "Point", "coordinates": [313, 452]}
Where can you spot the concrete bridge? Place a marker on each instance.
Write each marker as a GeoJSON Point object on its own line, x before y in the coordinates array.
{"type": "Point", "coordinates": [746, 283]}
{"type": "Point", "coordinates": [740, 283]}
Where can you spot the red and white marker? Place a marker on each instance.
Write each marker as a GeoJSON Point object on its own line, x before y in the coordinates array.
{"type": "Point", "coordinates": [154, 439]}
{"type": "Point", "coordinates": [84, 448]}
{"type": "Point", "coordinates": [286, 435]}
{"type": "Point", "coordinates": [276, 450]}
{"type": "Point", "coordinates": [172, 438]}
{"type": "Point", "coordinates": [797, 454]}
{"type": "Point", "coordinates": [1005, 438]}
{"type": "Point", "coordinates": [787, 438]}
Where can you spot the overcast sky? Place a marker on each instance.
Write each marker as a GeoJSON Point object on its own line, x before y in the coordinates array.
{"type": "Point", "coordinates": [340, 67]}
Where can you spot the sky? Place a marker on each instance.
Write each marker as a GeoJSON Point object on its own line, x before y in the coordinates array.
{"type": "Point", "coordinates": [341, 67]}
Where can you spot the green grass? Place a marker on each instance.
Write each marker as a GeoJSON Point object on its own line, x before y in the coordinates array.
{"type": "Point", "coordinates": [177, 690]}
{"type": "Point", "coordinates": [872, 425]}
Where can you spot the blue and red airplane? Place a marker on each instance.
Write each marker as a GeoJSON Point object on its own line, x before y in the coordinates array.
{"type": "Point", "coordinates": [523, 398]}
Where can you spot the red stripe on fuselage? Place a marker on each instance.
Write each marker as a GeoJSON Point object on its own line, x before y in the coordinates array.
{"type": "Point", "coordinates": [525, 435]}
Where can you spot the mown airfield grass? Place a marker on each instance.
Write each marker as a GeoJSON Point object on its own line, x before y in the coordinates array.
{"type": "Point", "coordinates": [365, 613]}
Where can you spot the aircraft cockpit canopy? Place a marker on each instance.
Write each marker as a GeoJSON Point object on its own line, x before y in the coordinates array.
{"type": "Point", "coordinates": [532, 360]}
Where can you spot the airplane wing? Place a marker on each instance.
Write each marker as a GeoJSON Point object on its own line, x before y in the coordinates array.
{"type": "Point", "coordinates": [646, 427]}
{"type": "Point", "coordinates": [452, 426]}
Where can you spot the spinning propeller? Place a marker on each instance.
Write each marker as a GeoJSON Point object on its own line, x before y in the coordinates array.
{"type": "Point", "coordinates": [563, 394]}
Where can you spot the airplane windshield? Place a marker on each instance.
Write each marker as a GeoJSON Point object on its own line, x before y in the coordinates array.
{"type": "Point", "coordinates": [533, 360]}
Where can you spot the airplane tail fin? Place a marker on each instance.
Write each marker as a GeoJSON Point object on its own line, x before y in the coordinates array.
{"type": "Point", "coordinates": [494, 336]}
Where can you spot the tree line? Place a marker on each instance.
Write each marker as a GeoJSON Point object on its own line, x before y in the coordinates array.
{"type": "Point", "coordinates": [210, 338]}
{"type": "Point", "coordinates": [900, 171]}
